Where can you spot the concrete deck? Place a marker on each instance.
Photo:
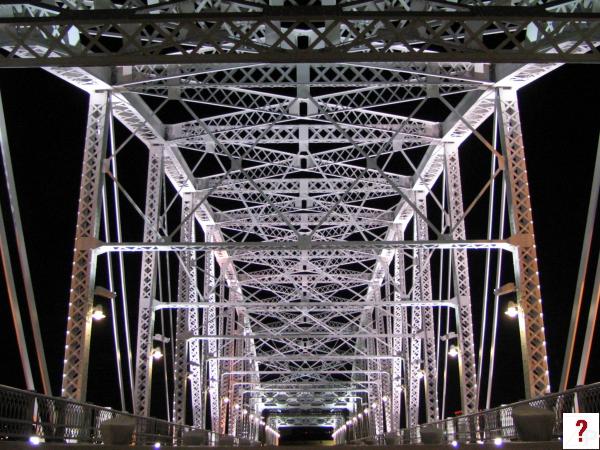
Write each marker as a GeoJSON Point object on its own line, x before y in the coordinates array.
{"type": "Point", "coordinates": [554, 445]}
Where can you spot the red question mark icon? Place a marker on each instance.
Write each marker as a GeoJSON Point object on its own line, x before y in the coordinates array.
{"type": "Point", "coordinates": [583, 424]}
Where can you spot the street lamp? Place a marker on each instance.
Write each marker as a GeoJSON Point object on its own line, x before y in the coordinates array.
{"type": "Point", "coordinates": [98, 313]}
{"type": "Point", "coordinates": [157, 353]}
{"type": "Point", "coordinates": [453, 351]}
{"type": "Point", "coordinates": [512, 310]}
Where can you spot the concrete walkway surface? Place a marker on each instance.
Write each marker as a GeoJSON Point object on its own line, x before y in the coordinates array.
{"type": "Point", "coordinates": [554, 445]}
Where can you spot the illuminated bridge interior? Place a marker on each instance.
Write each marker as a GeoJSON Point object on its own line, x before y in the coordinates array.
{"type": "Point", "coordinates": [299, 216]}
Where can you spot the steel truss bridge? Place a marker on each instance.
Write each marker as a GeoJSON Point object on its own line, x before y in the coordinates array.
{"type": "Point", "coordinates": [304, 245]}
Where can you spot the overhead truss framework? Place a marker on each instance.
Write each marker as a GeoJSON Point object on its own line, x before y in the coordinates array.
{"type": "Point", "coordinates": [305, 236]}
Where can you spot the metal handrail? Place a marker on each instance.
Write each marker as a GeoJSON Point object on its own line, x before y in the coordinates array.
{"type": "Point", "coordinates": [485, 426]}
{"type": "Point", "coordinates": [54, 419]}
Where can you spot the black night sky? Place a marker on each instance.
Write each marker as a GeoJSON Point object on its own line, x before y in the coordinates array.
{"type": "Point", "coordinates": [46, 120]}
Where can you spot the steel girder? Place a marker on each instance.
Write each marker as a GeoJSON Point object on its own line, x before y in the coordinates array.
{"type": "Point", "coordinates": [143, 373]}
{"type": "Point", "coordinates": [186, 320]}
{"type": "Point", "coordinates": [460, 274]}
{"type": "Point", "coordinates": [531, 322]}
{"type": "Point", "coordinates": [278, 34]}
{"type": "Point", "coordinates": [74, 383]}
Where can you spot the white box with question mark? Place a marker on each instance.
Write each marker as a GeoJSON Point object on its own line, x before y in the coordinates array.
{"type": "Point", "coordinates": [580, 430]}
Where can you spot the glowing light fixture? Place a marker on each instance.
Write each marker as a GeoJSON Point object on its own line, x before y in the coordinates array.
{"type": "Point", "coordinates": [225, 399]}
{"type": "Point", "coordinates": [157, 445]}
{"type": "Point", "coordinates": [385, 398]}
{"type": "Point", "coordinates": [454, 444]}
{"type": "Point", "coordinates": [98, 313]}
{"type": "Point", "coordinates": [453, 351]}
{"type": "Point", "coordinates": [35, 440]}
{"type": "Point", "coordinates": [498, 442]}
{"type": "Point", "coordinates": [512, 310]}
{"type": "Point", "coordinates": [157, 353]}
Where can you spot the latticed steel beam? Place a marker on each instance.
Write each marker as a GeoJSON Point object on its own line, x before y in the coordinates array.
{"type": "Point", "coordinates": [148, 284]}
{"type": "Point", "coordinates": [531, 321]}
{"type": "Point", "coordinates": [79, 38]}
{"type": "Point", "coordinates": [186, 320]}
{"type": "Point", "coordinates": [313, 247]}
{"type": "Point", "coordinates": [460, 273]}
{"type": "Point", "coordinates": [81, 301]}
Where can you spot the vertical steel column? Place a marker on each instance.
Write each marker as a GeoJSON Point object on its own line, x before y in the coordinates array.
{"type": "Point", "coordinates": [210, 326]}
{"type": "Point", "coordinates": [383, 365]}
{"type": "Point", "coordinates": [413, 371]}
{"type": "Point", "coordinates": [227, 382]}
{"type": "Point", "coordinates": [194, 346]}
{"type": "Point", "coordinates": [374, 378]}
{"type": "Point", "coordinates": [81, 300]}
{"type": "Point", "coordinates": [185, 293]}
{"type": "Point", "coordinates": [143, 356]}
{"type": "Point", "coordinates": [423, 282]}
{"type": "Point", "coordinates": [531, 320]}
{"type": "Point", "coordinates": [399, 326]}
{"type": "Point", "coordinates": [460, 274]}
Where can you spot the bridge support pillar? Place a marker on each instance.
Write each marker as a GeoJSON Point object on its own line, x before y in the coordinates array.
{"type": "Point", "coordinates": [81, 298]}
{"type": "Point", "coordinates": [145, 330]}
{"type": "Point", "coordinates": [531, 321]}
{"type": "Point", "coordinates": [460, 276]}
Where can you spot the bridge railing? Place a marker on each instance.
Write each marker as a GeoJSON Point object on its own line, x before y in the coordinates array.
{"type": "Point", "coordinates": [24, 414]}
{"type": "Point", "coordinates": [498, 422]}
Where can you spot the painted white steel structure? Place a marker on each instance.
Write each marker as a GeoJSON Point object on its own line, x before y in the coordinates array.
{"type": "Point", "coordinates": [302, 237]}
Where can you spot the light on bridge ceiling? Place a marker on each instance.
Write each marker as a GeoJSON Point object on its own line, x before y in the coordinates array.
{"type": "Point", "coordinates": [366, 411]}
{"type": "Point", "coordinates": [385, 398]}
{"type": "Point", "coordinates": [420, 374]}
{"type": "Point", "coordinates": [98, 313]}
{"type": "Point", "coordinates": [35, 440]}
{"type": "Point", "coordinates": [453, 351]}
{"type": "Point", "coordinates": [512, 310]}
{"type": "Point", "coordinates": [236, 406]}
{"type": "Point", "coordinates": [454, 444]}
{"type": "Point", "coordinates": [498, 442]}
{"type": "Point", "coordinates": [157, 353]}
{"type": "Point", "coordinates": [157, 445]}
{"type": "Point", "coordinates": [225, 400]}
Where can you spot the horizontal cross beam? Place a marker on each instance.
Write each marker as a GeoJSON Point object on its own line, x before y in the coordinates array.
{"type": "Point", "coordinates": [304, 245]}
{"type": "Point", "coordinates": [241, 37]}
{"type": "Point", "coordinates": [307, 334]}
{"type": "Point", "coordinates": [303, 358]}
{"type": "Point", "coordinates": [314, 306]}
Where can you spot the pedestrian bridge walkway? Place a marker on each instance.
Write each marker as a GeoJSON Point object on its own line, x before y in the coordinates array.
{"type": "Point", "coordinates": [553, 445]}
{"type": "Point", "coordinates": [29, 420]}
